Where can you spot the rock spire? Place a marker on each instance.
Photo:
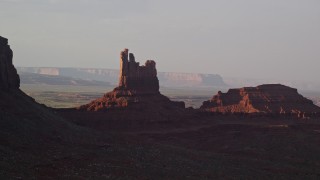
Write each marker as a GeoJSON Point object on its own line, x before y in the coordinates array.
{"type": "Point", "coordinates": [136, 78]}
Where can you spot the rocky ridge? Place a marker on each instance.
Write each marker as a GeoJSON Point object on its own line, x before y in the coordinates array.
{"type": "Point", "coordinates": [20, 115]}
{"type": "Point", "coordinates": [138, 88]}
{"type": "Point", "coordinates": [264, 99]}
{"type": "Point", "coordinates": [29, 131]}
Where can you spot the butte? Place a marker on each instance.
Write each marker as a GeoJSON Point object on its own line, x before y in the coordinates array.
{"type": "Point", "coordinates": [272, 99]}
{"type": "Point", "coordinates": [138, 89]}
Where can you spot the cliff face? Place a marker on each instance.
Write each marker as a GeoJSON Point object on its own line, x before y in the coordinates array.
{"type": "Point", "coordinates": [138, 88]}
{"type": "Point", "coordinates": [137, 79]}
{"type": "Point", "coordinates": [9, 79]}
{"type": "Point", "coordinates": [271, 98]}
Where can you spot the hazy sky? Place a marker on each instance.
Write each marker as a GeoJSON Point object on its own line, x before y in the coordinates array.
{"type": "Point", "coordinates": [237, 38]}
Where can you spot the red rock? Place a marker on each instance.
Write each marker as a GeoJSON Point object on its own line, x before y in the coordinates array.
{"type": "Point", "coordinates": [138, 88]}
{"type": "Point", "coordinates": [9, 78]}
{"type": "Point", "coordinates": [266, 99]}
{"type": "Point", "coordinates": [137, 79]}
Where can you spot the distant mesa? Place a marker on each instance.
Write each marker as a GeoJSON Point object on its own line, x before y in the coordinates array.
{"type": "Point", "coordinates": [264, 99]}
{"type": "Point", "coordinates": [42, 79]}
{"type": "Point", "coordinates": [138, 88]}
{"type": "Point", "coordinates": [167, 79]}
{"type": "Point", "coordinates": [9, 78]}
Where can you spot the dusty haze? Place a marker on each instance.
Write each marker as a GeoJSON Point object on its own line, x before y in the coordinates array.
{"type": "Point", "coordinates": [276, 39]}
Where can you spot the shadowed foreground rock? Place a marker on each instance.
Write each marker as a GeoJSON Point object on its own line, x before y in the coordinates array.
{"type": "Point", "coordinates": [9, 79]}
{"type": "Point", "coordinates": [264, 99]}
{"type": "Point", "coordinates": [28, 130]}
{"type": "Point", "coordinates": [138, 89]}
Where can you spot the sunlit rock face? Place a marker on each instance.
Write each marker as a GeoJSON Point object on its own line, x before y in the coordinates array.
{"type": "Point", "coordinates": [138, 88]}
{"type": "Point", "coordinates": [267, 99]}
{"type": "Point", "coordinates": [9, 79]}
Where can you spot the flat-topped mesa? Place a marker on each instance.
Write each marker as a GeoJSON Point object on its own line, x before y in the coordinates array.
{"type": "Point", "coordinates": [265, 99]}
{"type": "Point", "coordinates": [9, 78]}
{"type": "Point", "coordinates": [137, 79]}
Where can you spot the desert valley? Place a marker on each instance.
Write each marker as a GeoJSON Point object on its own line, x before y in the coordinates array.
{"type": "Point", "coordinates": [132, 131]}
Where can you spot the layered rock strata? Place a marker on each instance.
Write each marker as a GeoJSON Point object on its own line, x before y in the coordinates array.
{"type": "Point", "coordinates": [265, 99]}
{"type": "Point", "coordinates": [138, 88]}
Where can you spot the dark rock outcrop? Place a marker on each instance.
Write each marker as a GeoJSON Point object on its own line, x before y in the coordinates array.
{"type": "Point", "coordinates": [9, 79]}
{"type": "Point", "coordinates": [29, 130]}
{"type": "Point", "coordinates": [265, 99]}
{"type": "Point", "coordinates": [138, 88]}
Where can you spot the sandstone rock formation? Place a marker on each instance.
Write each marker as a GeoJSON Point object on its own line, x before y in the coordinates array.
{"type": "Point", "coordinates": [137, 79]}
{"type": "Point", "coordinates": [265, 99]}
{"type": "Point", "coordinates": [9, 79]}
{"type": "Point", "coordinates": [138, 88]}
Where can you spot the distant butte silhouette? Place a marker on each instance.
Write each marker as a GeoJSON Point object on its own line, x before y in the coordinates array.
{"type": "Point", "coordinates": [138, 88]}
{"type": "Point", "coordinates": [263, 99]}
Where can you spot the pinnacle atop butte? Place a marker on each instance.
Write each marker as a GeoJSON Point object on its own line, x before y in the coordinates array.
{"type": "Point", "coordinates": [137, 79]}
{"type": "Point", "coordinates": [138, 88]}
{"type": "Point", "coordinates": [9, 78]}
{"type": "Point", "coordinates": [264, 99]}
